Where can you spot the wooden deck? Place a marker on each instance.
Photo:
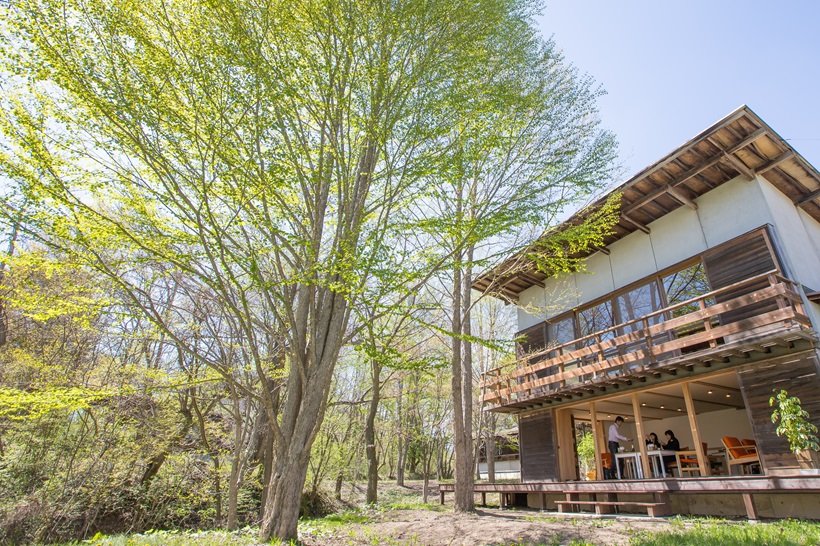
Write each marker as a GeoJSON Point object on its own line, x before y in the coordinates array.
{"type": "Point", "coordinates": [610, 493]}
{"type": "Point", "coordinates": [746, 319]}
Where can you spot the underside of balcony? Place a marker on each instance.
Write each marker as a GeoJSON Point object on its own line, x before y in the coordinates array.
{"type": "Point", "coordinates": [755, 319]}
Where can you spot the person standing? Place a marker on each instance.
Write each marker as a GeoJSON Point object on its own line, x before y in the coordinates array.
{"type": "Point", "coordinates": [613, 442]}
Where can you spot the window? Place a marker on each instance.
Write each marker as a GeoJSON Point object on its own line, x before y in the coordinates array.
{"type": "Point", "coordinates": [596, 318]}
{"type": "Point", "coordinates": [637, 303]}
{"type": "Point", "coordinates": [686, 284]}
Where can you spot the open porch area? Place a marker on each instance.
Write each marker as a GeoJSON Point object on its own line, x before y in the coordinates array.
{"type": "Point", "coordinates": [754, 497]}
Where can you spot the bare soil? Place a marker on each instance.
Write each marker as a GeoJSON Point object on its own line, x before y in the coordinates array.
{"type": "Point", "coordinates": [486, 527]}
{"type": "Point", "coordinates": [439, 525]}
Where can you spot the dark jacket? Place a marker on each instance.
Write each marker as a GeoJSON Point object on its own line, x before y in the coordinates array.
{"type": "Point", "coordinates": [672, 445]}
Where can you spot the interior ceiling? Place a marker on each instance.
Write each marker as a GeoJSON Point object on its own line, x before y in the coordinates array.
{"type": "Point", "coordinates": [710, 394]}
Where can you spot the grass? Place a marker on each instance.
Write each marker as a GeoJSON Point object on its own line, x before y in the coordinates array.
{"type": "Point", "coordinates": [730, 533]}
{"type": "Point", "coordinates": [358, 526]}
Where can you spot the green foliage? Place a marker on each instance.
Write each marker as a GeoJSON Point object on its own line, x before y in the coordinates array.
{"type": "Point", "coordinates": [586, 450]}
{"type": "Point", "coordinates": [793, 422]}
{"type": "Point", "coordinates": [727, 533]}
{"type": "Point", "coordinates": [17, 405]}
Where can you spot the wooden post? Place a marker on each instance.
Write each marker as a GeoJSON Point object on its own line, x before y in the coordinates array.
{"type": "Point", "coordinates": [749, 503]}
{"type": "Point", "coordinates": [703, 462]}
{"type": "Point", "coordinates": [599, 465]}
{"type": "Point", "coordinates": [639, 433]}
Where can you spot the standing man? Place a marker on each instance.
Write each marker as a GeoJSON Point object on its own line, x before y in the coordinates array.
{"type": "Point", "coordinates": [614, 438]}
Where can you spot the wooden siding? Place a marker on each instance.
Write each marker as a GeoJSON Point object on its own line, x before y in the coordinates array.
{"type": "Point", "coordinates": [746, 257]}
{"type": "Point", "coordinates": [537, 447]}
{"type": "Point", "coordinates": [799, 376]}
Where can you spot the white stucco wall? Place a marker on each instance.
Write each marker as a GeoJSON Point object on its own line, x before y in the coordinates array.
{"type": "Point", "coordinates": [728, 211]}
{"type": "Point", "coordinates": [798, 238]}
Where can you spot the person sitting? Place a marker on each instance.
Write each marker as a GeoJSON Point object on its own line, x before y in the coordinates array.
{"type": "Point", "coordinates": [652, 441]}
{"type": "Point", "coordinates": [672, 444]}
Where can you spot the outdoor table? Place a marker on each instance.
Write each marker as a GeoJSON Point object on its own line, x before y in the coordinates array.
{"type": "Point", "coordinates": [626, 455]}
{"type": "Point", "coordinates": [656, 457]}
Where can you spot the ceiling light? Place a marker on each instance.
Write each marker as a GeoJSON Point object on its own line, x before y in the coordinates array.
{"type": "Point", "coordinates": [643, 404]}
{"type": "Point", "coordinates": [680, 409]}
{"type": "Point", "coordinates": [708, 392]}
{"type": "Point", "coordinates": [728, 396]}
{"type": "Point", "coordinates": [662, 407]}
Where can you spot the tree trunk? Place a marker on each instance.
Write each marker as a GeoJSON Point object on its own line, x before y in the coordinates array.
{"type": "Point", "coordinates": [338, 489]}
{"type": "Point", "coordinates": [402, 449]}
{"type": "Point", "coordinates": [490, 449]}
{"type": "Point", "coordinates": [284, 496]}
{"type": "Point", "coordinates": [4, 319]}
{"type": "Point", "coordinates": [462, 382]}
{"type": "Point", "coordinates": [370, 435]}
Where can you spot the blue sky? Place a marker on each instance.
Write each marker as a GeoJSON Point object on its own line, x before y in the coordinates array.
{"type": "Point", "coordinates": [671, 69]}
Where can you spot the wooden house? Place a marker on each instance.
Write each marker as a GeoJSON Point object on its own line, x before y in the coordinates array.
{"type": "Point", "coordinates": [703, 301]}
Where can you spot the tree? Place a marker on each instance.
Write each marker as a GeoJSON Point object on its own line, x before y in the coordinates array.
{"type": "Point", "coordinates": [267, 153]}
{"type": "Point", "coordinates": [526, 144]}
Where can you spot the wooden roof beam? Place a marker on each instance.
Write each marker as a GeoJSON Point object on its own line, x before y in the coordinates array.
{"type": "Point", "coordinates": [808, 198]}
{"type": "Point", "coordinates": [740, 167]}
{"type": "Point", "coordinates": [680, 196]}
{"type": "Point", "coordinates": [639, 225]}
{"type": "Point", "coordinates": [728, 155]}
{"type": "Point", "coordinates": [785, 156]}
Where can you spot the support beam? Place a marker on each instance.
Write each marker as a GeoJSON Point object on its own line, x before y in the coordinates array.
{"type": "Point", "coordinates": [808, 198]}
{"type": "Point", "coordinates": [596, 442]}
{"type": "Point", "coordinates": [680, 196]}
{"type": "Point", "coordinates": [640, 435]}
{"type": "Point", "coordinates": [785, 156]}
{"type": "Point", "coordinates": [739, 166]}
{"type": "Point", "coordinates": [703, 462]}
{"type": "Point", "coordinates": [635, 223]}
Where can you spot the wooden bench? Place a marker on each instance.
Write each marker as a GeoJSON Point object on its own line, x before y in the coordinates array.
{"type": "Point", "coordinates": [660, 506]}
{"type": "Point", "coordinates": [653, 509]}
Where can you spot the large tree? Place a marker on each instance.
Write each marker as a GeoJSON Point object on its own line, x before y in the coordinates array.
{"type": "Point", "coordinates": [263, 151]}
{"type": "Point", "coordinates": [527, 144]}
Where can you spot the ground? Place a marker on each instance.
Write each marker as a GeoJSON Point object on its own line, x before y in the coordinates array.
{"type": "Point", "coordinates": [487, 526]}
{"type": "Point", "coordinates": [400, 518]}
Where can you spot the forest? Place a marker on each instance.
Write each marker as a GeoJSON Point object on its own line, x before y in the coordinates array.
{"type": "Point", "coordinates": [238, 240]}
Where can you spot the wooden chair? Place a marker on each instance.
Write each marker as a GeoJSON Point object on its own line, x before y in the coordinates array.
{"type": "Point", "coordinates": [687, 461]}
{"type": "Point", "coordinates": [740, 455]}
{"type": "Point", "coordinates": [606, 463]}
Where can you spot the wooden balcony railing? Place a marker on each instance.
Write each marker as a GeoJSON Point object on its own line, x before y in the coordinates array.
{"type": "Point", "coordinates": [741, 315]}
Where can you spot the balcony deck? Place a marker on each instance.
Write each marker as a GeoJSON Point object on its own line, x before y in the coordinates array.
{"type": "Point", "coordinates": [745, 320]}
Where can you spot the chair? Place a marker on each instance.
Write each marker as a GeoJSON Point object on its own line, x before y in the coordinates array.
{"type": "Point", "coordinates": [606, 463]}
{"type": "Point", "coordinates": [687, 461]}
{"type": "Point", "coordinates": [740, 455]}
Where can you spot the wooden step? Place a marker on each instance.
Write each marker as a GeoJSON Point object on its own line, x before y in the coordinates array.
{"type": "Point", "coordinates": [613, 503]}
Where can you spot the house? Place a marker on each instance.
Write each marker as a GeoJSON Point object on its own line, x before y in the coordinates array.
{"type": "Point", "coordinates": [703, 300]}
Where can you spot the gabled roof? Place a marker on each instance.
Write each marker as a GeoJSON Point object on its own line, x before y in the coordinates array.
{"type": "Point", "coordinates": [741, 144]}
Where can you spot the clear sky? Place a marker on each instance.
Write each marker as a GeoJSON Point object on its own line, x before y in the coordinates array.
{"type": "Point", "coordinates": [671, 69]}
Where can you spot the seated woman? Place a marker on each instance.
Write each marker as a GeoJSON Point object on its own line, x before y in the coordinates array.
{"type": "Point", "coordinates": [652, 441]}
{"type": "Point", "coordinates": [672, 444]}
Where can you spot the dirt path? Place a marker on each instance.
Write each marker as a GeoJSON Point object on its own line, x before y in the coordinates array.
{"type": "Point", "coordinates": [487, 527]}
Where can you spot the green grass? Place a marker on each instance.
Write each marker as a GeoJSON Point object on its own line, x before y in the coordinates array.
{"type": "Point", "coordinates": [729, 533]}
{"type": "Point", "coordinates": [242, 537]}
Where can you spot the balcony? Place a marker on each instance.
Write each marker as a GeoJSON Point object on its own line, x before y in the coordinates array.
{"type": "Point", "coordinates": [742, 321]}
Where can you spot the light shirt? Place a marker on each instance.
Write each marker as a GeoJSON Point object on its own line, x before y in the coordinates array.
{"type": "Point", "coordinates": [614, 436]}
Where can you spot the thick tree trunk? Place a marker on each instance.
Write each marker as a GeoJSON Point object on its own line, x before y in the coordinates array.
{"type": "Point", "coordinates": [284, 496]}
{"type": "Point", "coordinates": [370, 435]}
